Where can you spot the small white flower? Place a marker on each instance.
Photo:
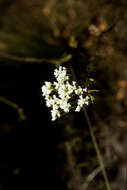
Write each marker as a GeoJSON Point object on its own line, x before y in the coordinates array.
{"type": "Point", "coordinates": [47, 97]}
{"type": "Point", "coordinates": [82, 101]}
{"type": "Point", "coordinates": [55, 113]}
{"type": "Point", "coordinates": [62, 78]}
{"type": "Point", "coordinates": [56, 85]}
{"type": "Point", "coordinates": [70, 88]}
{"type": "Point", "coordinates": [50, 102]}
{"type": "Point", "coordinates": [87, 100]}
{"type": "Point", "coordinates": [79, 91]}
{"type": "Point", "coordinates": [60, 72]}
{"type": "Point", "coordinates": [48, 84]}
{"type": "Point", "coordinates": [58, 95]}
{"type": "Point", "coordinates": [78, 108]}
{"type": "Point", "coordinates": [74, 83]}
{"type": "Point", "coordinates": [47, 88]}
{"type": "Point", "coordinates": [65, 106]}
{"type": "Point", "coordinates": [55, 107]}
{"type": "Point", "coordinates": [85, 89]}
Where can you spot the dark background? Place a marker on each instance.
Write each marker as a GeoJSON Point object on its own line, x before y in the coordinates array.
{"type": "Point", "coordinates": [34, 151]}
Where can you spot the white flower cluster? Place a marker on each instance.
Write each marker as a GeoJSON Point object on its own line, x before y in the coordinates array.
{"type": "Point", "coordinates": [59, 94]}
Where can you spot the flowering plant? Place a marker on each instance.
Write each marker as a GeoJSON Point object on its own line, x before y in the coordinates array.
{"type": "Point", "coordinates": [62, 95]}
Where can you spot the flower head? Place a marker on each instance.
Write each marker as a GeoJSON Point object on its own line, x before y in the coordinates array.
{"type": "Point", "coordinates": [60, 93]}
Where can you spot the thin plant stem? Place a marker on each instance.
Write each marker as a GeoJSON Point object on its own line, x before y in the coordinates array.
{"type": "Point", "coordinates": [15, 106]}
{"type": "Point", "coordinates": [30, 60]}
{"type": "Point", "coordinates": [98, 152]}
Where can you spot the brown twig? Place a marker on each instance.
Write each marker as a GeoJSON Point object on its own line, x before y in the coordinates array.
{"type": "Point", "coordinates": [90, 178]}
{"type": "Point", "coordinates": [24, 59]}
{"type": "Point", "coordinates": [30, 60]}
{"type": "Point", "coordinates": [15, 106]}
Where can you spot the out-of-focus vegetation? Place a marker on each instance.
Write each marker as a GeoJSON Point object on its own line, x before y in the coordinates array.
{"type": "Point", "coordinates": [35, 37]}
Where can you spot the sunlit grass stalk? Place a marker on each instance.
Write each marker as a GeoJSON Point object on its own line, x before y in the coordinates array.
{"type": "Point", "coordinates": [97, 149]}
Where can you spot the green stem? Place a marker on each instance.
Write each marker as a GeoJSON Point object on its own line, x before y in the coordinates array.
{"type": "Point", "coordinates": [99, 156]}
{"type": "Point", "coordinates": [98, 152]}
